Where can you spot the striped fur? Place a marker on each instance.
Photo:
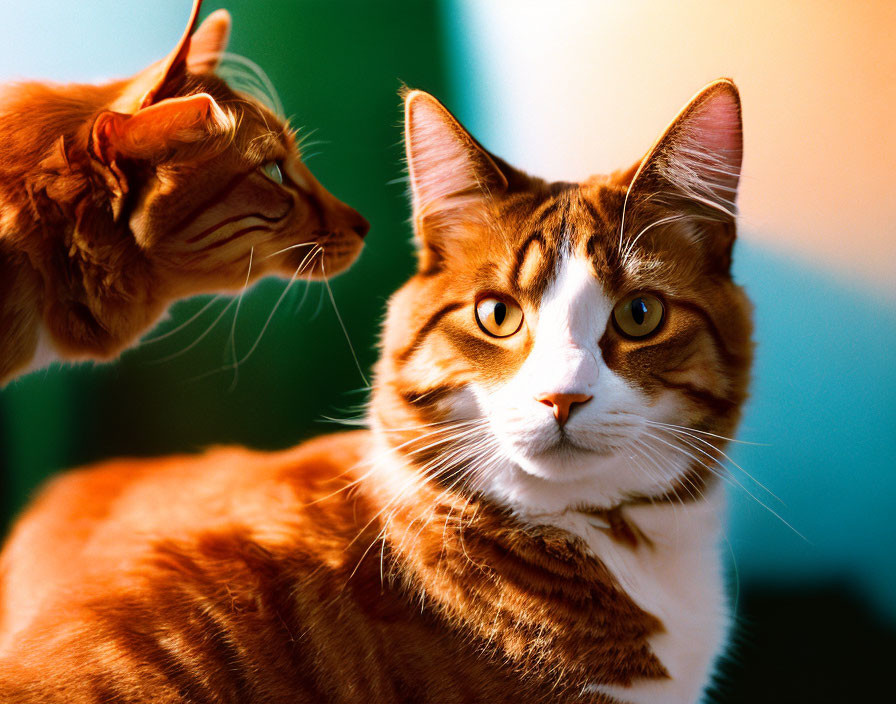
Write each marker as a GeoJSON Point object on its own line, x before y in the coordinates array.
{"type": "Point", "coordinates": [468, 547]}
{"type": "Point", "coordinates": [119, 199]}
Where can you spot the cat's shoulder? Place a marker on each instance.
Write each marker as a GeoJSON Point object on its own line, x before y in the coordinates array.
{"type": "Point", "coordinates": [115, 518]}
{"type": "Point", "coordinates": [219, 469]}
{"type": "Point", "coordinates": [112, 505]}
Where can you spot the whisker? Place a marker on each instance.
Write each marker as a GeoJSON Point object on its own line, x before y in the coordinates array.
{"type": "Point", "coordinates": [293, 246]}
{"type": "Point", "coordinates": [270, 317]}
{"type": "Point", "coordinates": [704, 432]}
{"type": "Point", "coordinates": [729, 479]}
{"type": "Point", "coordinates": [149, 341]}
{"type": "Point", "coordinates": [341, 323]}
{"type": "Point", "coordinates": [236, 313]}
{"type": "Point", "coordinates": [681, 432]}
{"type": "Point", "coordinates": [234, 365]}
{"type": "Point", "coordinates": [198, 339]}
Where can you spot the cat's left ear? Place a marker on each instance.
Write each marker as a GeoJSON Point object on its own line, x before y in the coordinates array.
{"type": "Point", "coordinates": [692, 171]}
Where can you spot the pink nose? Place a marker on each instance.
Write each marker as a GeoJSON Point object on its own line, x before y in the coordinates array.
{"type": "Point", "coordinates": [562, 404]}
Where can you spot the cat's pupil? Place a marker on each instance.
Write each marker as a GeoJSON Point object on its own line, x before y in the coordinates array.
{"type": "Point", "coordinates": [500, 313]}
{"type": "Point", "coordinates": [639, 311]}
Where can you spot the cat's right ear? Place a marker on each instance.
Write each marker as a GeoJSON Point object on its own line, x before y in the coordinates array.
{"type": "Point", "coordinates": [451, 174]}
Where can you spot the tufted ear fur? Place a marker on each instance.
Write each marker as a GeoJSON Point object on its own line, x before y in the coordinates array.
{"type": "Point", "coordinates": [451, 174]}
{"type": "Point", "coordinates": [690, 175]}
{"type": "Point", "coordinates": [696, 163]}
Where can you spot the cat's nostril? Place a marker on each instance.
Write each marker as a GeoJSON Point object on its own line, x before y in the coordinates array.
{"type": "Point", "coordinates": [562, 404]}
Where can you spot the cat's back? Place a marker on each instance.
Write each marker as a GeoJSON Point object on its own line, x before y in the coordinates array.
{"type": "Point", "coordinates": [112, 529]}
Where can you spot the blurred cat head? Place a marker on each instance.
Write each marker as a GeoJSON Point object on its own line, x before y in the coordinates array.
{"type": "Point", "coordinates": [568, 345]}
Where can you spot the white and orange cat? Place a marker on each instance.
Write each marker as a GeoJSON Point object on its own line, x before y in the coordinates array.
{"type": "Point", "coordinates": [118, 199]}
{"type": "Point", "coordinates": [532, 516]}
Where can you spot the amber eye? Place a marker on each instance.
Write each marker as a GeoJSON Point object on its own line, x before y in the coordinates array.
{"type": "Point", "coordinates": [272, 171]}
{"type": "Point", "coordinates": [638, 315]}
{"type": "Point", "coordinates": [499, 317]}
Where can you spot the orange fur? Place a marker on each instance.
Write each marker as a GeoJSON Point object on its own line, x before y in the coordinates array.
{"type": "Point", "coordinates": [239, 576]}
{"type": "Point", "coordinates": [351, 568]}
{"type": "Point", "coordinates": [118, 199]}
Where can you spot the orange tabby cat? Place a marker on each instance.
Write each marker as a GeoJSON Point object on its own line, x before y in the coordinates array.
{"type": "Point", "coordinates": [532, 517]}
{"type": "Point", "coordinates": [116, 200]}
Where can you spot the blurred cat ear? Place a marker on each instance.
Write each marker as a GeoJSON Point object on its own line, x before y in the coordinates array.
{"type": "Point", "coordinates": [199, 52]}
{"type": "Point", "coordinates": [173, 64]}
{"type": "Point", "coordinates": [151, 131]}
{"type": "Point", "coordinates": [209, 42]}
{"type": "Point", "coordinates": [694, 167]}
{"type": "Point", "coordinates": [449, 169]}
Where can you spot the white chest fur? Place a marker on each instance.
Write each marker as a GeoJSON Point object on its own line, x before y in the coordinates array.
{"type": "Point", "coordinates": [679, 580]}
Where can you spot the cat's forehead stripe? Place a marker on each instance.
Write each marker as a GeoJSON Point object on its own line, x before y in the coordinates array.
{"type": "Point", "coordinates": [570, 221]}
{"type": "Point", "coordinates": [528, 265]}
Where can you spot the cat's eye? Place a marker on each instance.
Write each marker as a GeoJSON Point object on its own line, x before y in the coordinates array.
{"type": "Point", "coordinates": [638, 315]}
{"type": "Point", "coordinates": [498, 317]}
{"type": "Point", "coordinates": [272, 171]}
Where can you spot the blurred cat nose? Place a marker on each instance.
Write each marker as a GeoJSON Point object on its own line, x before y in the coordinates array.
{"type": "Point", "coordinates": [361, 226]}
{"type": "Point", "coordinates": [351, 219]}
{"type": "Point", "coordinates": [344, 217]}
{"type": "Point", "coordinates": [562, 404]}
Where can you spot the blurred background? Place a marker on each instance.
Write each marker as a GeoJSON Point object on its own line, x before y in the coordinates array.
{"type": "Point", "coordinates": [561, 89]}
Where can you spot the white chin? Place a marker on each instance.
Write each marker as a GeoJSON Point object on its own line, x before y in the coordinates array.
{"type": "Point", "coordinates": [554, 482]}
{"type": "Point", "coordinates": [564, 463]}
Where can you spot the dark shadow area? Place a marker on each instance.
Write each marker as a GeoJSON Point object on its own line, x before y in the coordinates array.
{"type": "Point", "coordinates": [807, 645]}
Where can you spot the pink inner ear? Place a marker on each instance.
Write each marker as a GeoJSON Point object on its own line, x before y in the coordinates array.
{"type": "Point", "coordinates": [716, 124]}
{"type": "Point", "coordinates": [702, 152]}
{"type": "Point", "coordinates": [446, 166]}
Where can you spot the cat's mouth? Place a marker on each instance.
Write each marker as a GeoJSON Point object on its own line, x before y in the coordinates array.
{"type": "Point", "coordinates": [567, 447]}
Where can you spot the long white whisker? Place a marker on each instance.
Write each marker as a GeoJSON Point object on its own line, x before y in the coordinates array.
{"type": "Point", "coordinates": [294, 246]}
{"type": "Point", "coordinates": [236, 313]}
{"type": "Point", "coordinates": [199, 339]}
{"type": "Point", "coordinates": [681, 432]}
{"type": "Point", "coordinates": [729, 479]}
{"type": "Point", "coordinates": [341, 323]}
{"type": "Point", "coordinates": [704, 432]}
{"type": "Point", "coordinates": [149, 341]}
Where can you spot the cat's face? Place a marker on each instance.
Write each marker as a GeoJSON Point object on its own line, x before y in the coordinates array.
{"type": "Point", "coordinates": [551, 348]}
{"type": "Point", "coordinates": [211, 181]}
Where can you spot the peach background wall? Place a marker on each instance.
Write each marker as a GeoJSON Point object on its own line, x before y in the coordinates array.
{"type": "Point", "coordinates": [585, 87]}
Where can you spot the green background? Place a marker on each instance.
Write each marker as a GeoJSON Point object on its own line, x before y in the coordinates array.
{"type": "Point", "coordinates": [337, 67]}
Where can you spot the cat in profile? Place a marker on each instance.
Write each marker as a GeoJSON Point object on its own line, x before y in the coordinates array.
{"type": "Point", "coordinates": [532, 515]}
{"type": "Point", "coordinates": [118, 199]}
